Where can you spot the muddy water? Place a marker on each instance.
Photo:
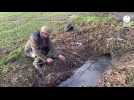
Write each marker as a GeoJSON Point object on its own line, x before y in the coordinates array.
{"type": "Point", "coordinates": [89, 73]}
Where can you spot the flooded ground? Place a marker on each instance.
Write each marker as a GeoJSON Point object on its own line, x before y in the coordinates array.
{"type": "Point", "coordinates": [89, 73]}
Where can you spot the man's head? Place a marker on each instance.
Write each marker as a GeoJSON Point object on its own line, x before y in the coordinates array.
{"type": "Point", "coordinates": [45, 31]}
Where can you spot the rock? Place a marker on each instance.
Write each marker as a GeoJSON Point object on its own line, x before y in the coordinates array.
{"type": "Point", "coordinates": [70, 27]}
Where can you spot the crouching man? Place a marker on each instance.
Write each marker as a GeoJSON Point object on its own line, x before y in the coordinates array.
{"type": "Point", "coordinates": [40, 47]}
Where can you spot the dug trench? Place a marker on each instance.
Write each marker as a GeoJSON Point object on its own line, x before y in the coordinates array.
{"type": "Point", "coordinates": [89, 73]}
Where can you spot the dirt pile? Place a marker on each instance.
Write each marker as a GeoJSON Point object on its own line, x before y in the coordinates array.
{"type": "Point", "coordinates": [96, 38]}
{"type": "Point", "coordinates": [122, 73]}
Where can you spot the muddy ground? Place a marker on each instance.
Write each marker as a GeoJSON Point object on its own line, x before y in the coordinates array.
{"type": "Point", "coordinates": [121, 74]}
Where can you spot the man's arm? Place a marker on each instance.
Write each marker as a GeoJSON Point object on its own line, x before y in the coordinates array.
{"type": "Point", "coordinates": [36, 51]}
{"type": "Point", "coordinates": [52, 52]}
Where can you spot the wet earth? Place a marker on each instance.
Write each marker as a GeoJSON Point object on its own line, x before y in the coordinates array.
{"type": "Point", "coordinates": [89, 73]}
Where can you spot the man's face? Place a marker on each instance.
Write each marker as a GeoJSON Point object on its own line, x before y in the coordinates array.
{"type": "Point", "coordinates": [45, 34]}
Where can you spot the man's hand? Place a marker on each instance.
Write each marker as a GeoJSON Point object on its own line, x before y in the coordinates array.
{"type": "Point", "coordinates": [33, 55]}
{"type": "Point", "coordinates": [61, 57]}
{"type": "Point", "coordinates": [49, 60]}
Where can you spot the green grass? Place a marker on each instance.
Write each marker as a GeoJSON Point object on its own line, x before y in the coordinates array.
{"type": "Point", "coordinates": [11, 57]}
{"type": "Point", "coordinates": [92, 18]}
{"type": "Point", "coordinates": [14, 55]}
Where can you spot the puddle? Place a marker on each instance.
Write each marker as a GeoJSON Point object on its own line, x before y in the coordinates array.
{"type": "Point", "coordinates": [88, 74]}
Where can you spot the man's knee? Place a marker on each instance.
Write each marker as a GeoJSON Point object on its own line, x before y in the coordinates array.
{"type": "Point", "coordinates": [28, 50]}
{"type": "Point", "coordinates": [37, 63]}
{"type": "Point", "coordinates": [28, 53]}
